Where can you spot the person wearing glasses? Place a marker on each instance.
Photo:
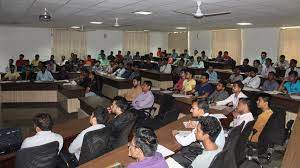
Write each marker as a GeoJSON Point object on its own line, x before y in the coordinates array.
{"type": "Point", "coordinates": [143, 148]}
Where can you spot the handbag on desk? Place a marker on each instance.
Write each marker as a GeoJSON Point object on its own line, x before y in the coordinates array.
{"type": "Point", "coordinates": [10, 140]}
{"type": "Point", "coordinates": [188, 154]}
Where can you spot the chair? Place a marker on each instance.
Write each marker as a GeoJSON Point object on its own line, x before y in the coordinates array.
{"type": "Point", "coordinates": [94, 144]}
{"type": "Point", "coordinates": [44, 156]}
{"type": "Point", "coordinates": [272, 134]}
{"type": "Point", "coordinates": [121, 128]}
{"type": "Point", "coordinates": [240, 152]}
{"type": "Point", "coordinates": [226, 158]}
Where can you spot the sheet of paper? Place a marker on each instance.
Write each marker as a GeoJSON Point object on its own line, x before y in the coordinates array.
{"type": "Point", "coordinates": [251, 89]}
{"type": "Point", "coordinates": [273, 92]}
{"type": "Point", "coordinates": [219, 116]}
{"type": "Point", "coordinates": [155, 88]}
{"type": "Point", "coordinates": [295, 97]}
{"type": "Point", "coordinates": [172, 163]}
{"type": "Point", "coordinates": [184, 133]}
{"type": "Point", "coordinates": [181, 95]}
{"type": "Point", "coordinates": [58, 81]}
{"type": "Point", "coordinates": [217, 107]}
{"type": "Point", "coordinates": [120, 78]}
{"type": "Point", "coordinates": [164, 151]}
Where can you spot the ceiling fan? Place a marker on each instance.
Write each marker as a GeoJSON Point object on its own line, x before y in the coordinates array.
{"type": "Point", "coordinates": [117, 25]}
{"type": "Point", "coordinates": [199, 14]}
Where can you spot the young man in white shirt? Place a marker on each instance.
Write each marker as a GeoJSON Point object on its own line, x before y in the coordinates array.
{"type": "Point", "coordinates": [165, 67]}
{"type": "Point", "coordinates": [199, 109]}
{"type": "Point", "coordinates": [267, 67]}
{"type": "Point", "coordinates": [293, 67]}
{"type": "Point", "coordinates": [43, 124]}
{"type": "Point", "coordinates": [252, 81]}
{"type": "Point", "coordinates": [120, 71]}
{"type": "Point", "coordinates": [198, 64]}
{"type": "Point", "coordinates": [233, 99]}
{"type": "Point", "coordinates": [98, 120]}
{"type": "Point", "coordinates": [207, 132]}
{"type": "Point", "coordinates": [242, 113]}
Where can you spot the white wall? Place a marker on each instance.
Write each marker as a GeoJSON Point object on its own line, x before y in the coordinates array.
{"type": "Point", "coordinates": [158, 39]}
{"type": "Point", "coordinates": [29, 41]}
{"type": "Point", "coordinates": [106, 40]}
{"type": "Point", "coordinates": [256, 40]}
{"type": "Point", "coordinates": [200, 40]}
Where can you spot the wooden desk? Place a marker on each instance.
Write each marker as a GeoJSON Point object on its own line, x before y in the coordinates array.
{"type": "Point", "coordinates": [220, 65]}
{"type": "Point", "coordinates": [113, 87]}
{"type": "Point", "coordinates": [68, 95]}
{"type": "Point", "coordinates": [68, 130]}
{"type": "Point", "coordinates": [90, 104]}
{"type": "Point", "coordinates": [160, 80]}
{"type": "Point", "coordinates": [164, 136]}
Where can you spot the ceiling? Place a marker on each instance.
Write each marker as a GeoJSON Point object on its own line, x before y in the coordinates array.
{"type": "Point", "coordinates": [66, 13]}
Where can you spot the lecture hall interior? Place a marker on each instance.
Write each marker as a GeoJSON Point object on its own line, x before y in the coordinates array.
{"type": "Point", "coordinates": [149, 83]}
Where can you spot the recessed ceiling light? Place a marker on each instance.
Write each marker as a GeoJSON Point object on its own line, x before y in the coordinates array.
{"type": "Point", "coordinates": [143, 13]}
{"type": "Point", "coordinates": [75, 27]}
{"type": "Point", "coordinates": [290, 27]}
{"type": "Point", "coordinates": [180, 28]}
{"type": "Point", "coordinates": [96, 22]}
{"type": "Point", "coordinates": [146, 30]}
{"type": "Point", "coordinates": [244, 24]}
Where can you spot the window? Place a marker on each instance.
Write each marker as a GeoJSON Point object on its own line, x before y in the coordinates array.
{"type": "Point", "coordinates": [178, 41]}
{"type": "Point", "coordinates": [136, 41]}
{"type": "Point", "coordinates": [289, 43]}
{"type": "Point", "coordinates": [227, 40]}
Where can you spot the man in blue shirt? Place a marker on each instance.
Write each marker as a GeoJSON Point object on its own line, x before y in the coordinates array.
{"type": "Point", "coordinates": [44, 75]}
{"type": "Point", "coordinates": [204, 89]}
{"type": "Point", "coordinates": [292, 86]}
{"type": "Point", "coordinates": [213, 76]}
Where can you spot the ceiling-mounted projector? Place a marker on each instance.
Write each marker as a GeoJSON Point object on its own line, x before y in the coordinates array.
{"type": "Point", "coordinates": [45, 17]}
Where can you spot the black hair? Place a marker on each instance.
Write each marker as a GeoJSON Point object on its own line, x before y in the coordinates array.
{"type": "Point", "coordinates": [148, 83]}
{"type": "Point", "coordinates": [269, 59]}
{"type": "Point", "coordinates": [220, 52]}
{"type": "Point", "coordinates": [146, 140]}
{"type": "Point", "coordinates": [138, 78]}
{"type": "Point", "coordinates": [266, 97]}
{"type": "Point", "coordinates": [21, 55]}
{"type": "Point", "coordinates": [101, 115]}
{"type": "Point", "coordinates": [253, 69]}
{"type": "Point", "coordinates": [121, 102]}
{"type": "Point", "coordinates": [240, 84]}
{"type": "Point", "coordinates": [206, 75]}
{"type": "Point", "coordinates": [295, 73]}
{"type": "Point", "coordinates": [224, 83]}
{"type": "Point", "coordinates": [202, 104]}
{"type": "Point", "coordinates": [203, 52]}
{"type": "Point", "coordinates": [282, 56]}
{"type": "Point", "coordinates": [211, 126]}
{"type": "Point", "coordinates": [246, 101]}
{"type": "Point", "coordinates": [37, 55]}
{"type": "Point", "coordinates": [43, 121]}
{"type": "Point", "coordinates": [225, 52]}
{"type": "Point", "coordinates": [12, 66]}
{"type": "Point", "coordinates": [272, 72]}
{"type": "Point", "coordinates": [246, 59]}
{"type": "Point", "coordinates": [264, 52]}
{"type": "Point", "coordinates": [257, 61]}
{"type": "Point", "coordinates": [294, 61]}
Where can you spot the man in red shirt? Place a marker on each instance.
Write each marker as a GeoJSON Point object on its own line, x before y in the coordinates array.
{"type": "Point", "coordinates": [20, 62]}
{"type": "Point", "coordinates": [119, 56]}
{"type": "Point", "coordinates": [158, 53]}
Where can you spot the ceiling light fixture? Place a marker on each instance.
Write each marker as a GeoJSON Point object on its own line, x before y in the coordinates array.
{"type": "Point", "coordinates": [45, 17]}
{"type": "Point", "coordinates": [96, 23]}
{"type": "Point", "coordinates": [290, 27]}
{"type": "Point", "coordinates": [181, 28]}
{"type": "Point", "coordinates": [146, 30]}
{"type": "Point", "coordinates": [75, 27]}
{"type": "Point", "coordinates": [143, 12]}
{"type": "Point", "coordinates": [244, 24]}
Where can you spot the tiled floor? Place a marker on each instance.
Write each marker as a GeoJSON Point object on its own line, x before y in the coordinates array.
{"type": "Point", "coordinates": [22, 117]}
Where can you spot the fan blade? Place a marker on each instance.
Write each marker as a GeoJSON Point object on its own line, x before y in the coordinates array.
{"type": "Point", "coordinates": [216, 14]}
{"type": "Point", "coordinates": [189, 14]}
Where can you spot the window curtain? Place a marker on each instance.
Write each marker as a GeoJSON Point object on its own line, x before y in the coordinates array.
{"type": "Point", "coordinates": [178, 41]}
{"type": "Point", "coordinates": [136, 42]}
{"type": "Point", "coordinates": [66, 42]}
{"type": "Point", "coordinates": [227, 40]}
{"type": "Point", "coordinates": [289, 43]}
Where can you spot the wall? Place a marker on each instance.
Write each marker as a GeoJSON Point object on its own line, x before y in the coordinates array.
{"type": "Point", "coordinates": [256, 40]}
{"type": "Point", "coordinates": [29, 41]}
{"type": "Point", "coordinates": [200, 40]}
{"type": "Point", "coordinates": [106, 40]}
{"type": "Point", "coordinates": [158, 39]}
